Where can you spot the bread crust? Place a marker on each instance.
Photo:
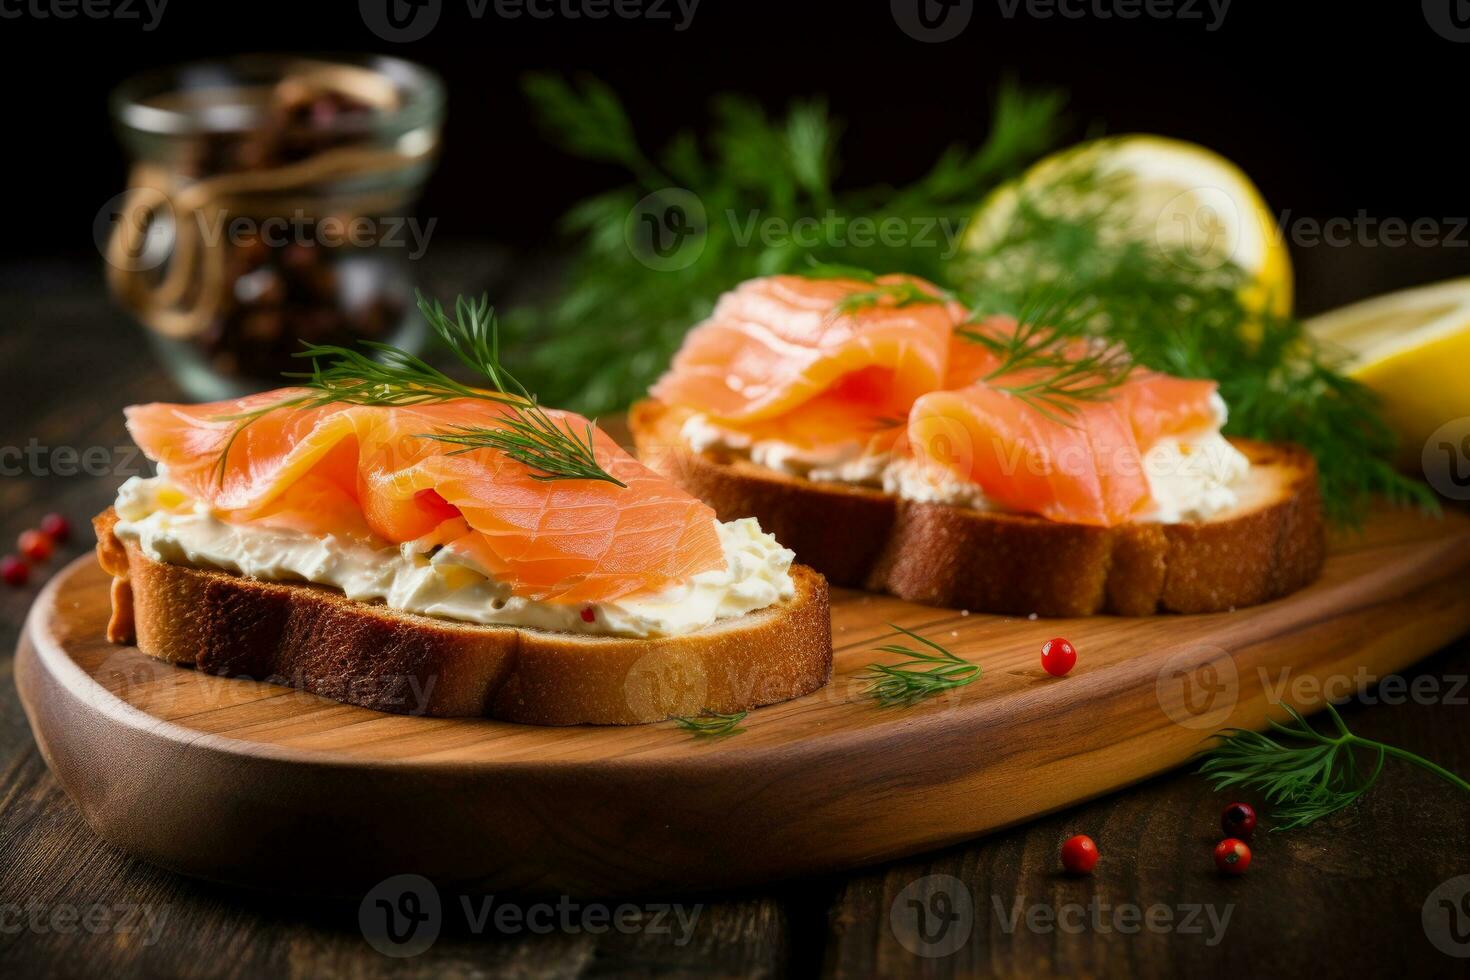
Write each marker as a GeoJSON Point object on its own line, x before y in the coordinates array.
{"type": "Point", "coordinates": [1013, 563]}
{"type": "Point", "coordinates": [366, 654]}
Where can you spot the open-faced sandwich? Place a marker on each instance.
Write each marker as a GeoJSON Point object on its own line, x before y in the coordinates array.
{"type": "Point", "coordinates": [900, 442]}
{"type": "Point", "coordinates": [389, 537]}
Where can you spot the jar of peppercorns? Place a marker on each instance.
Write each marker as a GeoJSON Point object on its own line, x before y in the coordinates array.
{"type": "Point", "coordinates": [270, 205]}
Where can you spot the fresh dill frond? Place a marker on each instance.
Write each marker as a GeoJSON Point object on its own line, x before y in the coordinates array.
{"type": "Point", "coordinates": [1049, 360]}
{"type": "Point", "coordinates": [903, 683]}
{"type": "Point", "coordinates": [393, 377]}
{"type": "Point", "coordinates": [712, 724]}
{"type": "Point", "coordinates": [893, 294]}
{"type": "Point", "coordinates": [527, 434]}
{"type": "Point", "coordinates": [1307, 775]}
{"type": "Point", "coordinates": [834, 270]}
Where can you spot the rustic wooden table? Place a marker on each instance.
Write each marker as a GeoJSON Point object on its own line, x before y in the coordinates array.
{"type": "Point", "coordinates": [1343, 897]}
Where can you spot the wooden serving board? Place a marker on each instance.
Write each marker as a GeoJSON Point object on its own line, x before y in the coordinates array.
{"type": "Point", "coordinates": [265, 786]}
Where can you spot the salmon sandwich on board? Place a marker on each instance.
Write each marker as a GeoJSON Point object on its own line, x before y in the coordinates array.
{"type": "Point", "coordinates": [901, 442]}
{"type": "Point", "coordinates": [387, 536]}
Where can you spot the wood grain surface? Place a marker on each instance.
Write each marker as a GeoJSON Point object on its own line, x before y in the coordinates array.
{"type": "Point", "coordinates": [1340, 898]}
{"type": "Point", "coordinates": [213, 776]}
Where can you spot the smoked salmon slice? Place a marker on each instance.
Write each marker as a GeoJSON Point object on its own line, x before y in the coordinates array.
{"type": "Point", "coordinates": [778, 358]}
{"type": "Point", "coordinates": [1082, 466]}
{"type": "Point", "coordinates": [359, 470]}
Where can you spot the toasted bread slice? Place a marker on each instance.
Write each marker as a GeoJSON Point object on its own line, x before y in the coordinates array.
{"type": "Point", "coordinates": [1270, 544]}
{"type": "Point", "coordinates": [320, 641]}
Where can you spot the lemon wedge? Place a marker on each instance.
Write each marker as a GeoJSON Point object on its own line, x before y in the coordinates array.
{"type": "Point", "coordinates": [1412, 348]}
{"type": "Point", "coordinates": [1179, 194]}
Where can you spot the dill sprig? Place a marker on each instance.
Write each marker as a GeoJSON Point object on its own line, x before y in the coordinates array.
{"type": "Point", "coordinates": [1308, 775]}
{"type": "Point", "coordinates": [712, 724]}
{"type": "Point", "coordinates": [903, 684]}
{"type": "Point", "coordinates": [527, 434]}
{"type": "Point", "coordinates": [381, 375]}
{"type": "Point", "coordinates": [895, 294]}
{"type": "Point", "coordinates": [1049, 361]}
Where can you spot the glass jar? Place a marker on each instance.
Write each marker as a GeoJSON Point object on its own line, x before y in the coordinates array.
{"type": "Point", "coordinates": [270, 204]}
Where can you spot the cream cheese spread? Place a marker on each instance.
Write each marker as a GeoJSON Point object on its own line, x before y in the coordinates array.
{"type": "Point", "coordinates": [438, 575]}
{"type": "Point", "coordinates": [1191, 476]}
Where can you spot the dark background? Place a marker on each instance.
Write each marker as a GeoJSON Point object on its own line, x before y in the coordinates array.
{"type": "Point", "coordinates": [1333, 109]}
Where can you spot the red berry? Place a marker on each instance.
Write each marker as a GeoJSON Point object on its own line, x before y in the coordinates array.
{"type": "Point", "coordinates": [55, 527]}
{"type": "Point", "coordinates": [14, 571]}
{"type": "Point", "coordinates": [1232, 856]}
{"type": "Point", "coordinates": [35, 545]}
{"type": "Point", "coordinates": [1058, 656]}
{"type": "Point", "coordinates": [588, 616]}
{"type": "Point", "coordinates": [1238, 820]}
{"type": "Point", "coordinates": [1079, 855]}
